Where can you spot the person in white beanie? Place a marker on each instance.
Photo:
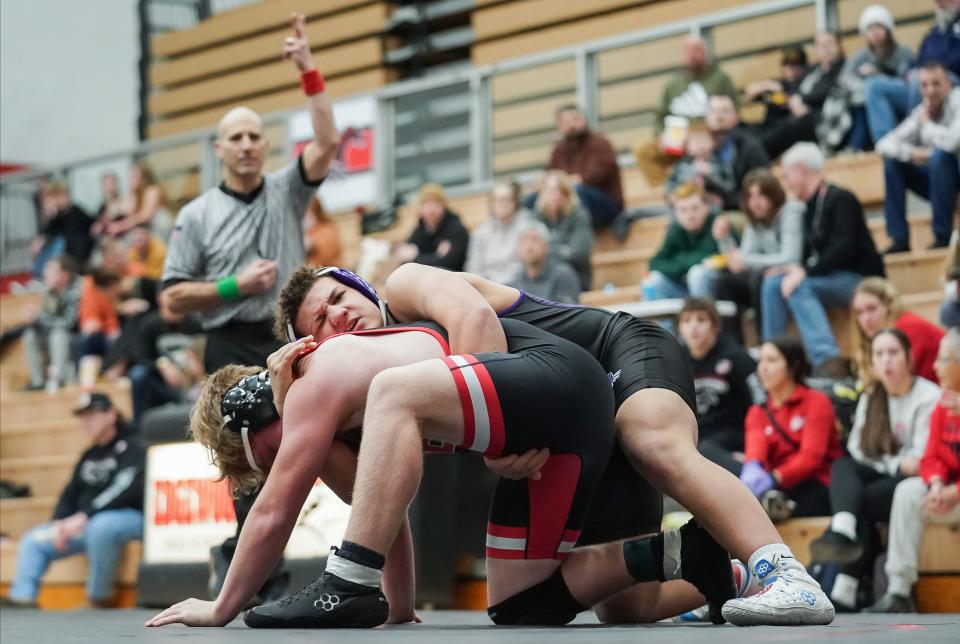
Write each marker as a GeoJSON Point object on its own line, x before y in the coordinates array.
{"type": "Point", "coordinates": [883, 56]}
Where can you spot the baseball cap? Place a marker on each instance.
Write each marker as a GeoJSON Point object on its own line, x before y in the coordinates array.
{"type": "Point", "coordinates": [92, 401]}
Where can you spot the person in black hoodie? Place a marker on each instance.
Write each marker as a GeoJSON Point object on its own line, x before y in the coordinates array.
{"type": "Point", "coordinates": [733, 146]}
{"type": "Point", "coordinates": [99, 511]}
{"type": "Point", "coordinates": [838, 252]}
{"type": "Point", "coordinates": [724, 376]}
{"type": "Point", "coordinates": [440, 238]}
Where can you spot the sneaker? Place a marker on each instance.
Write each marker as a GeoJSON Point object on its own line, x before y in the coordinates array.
{"type": "Point", "coordinates": [328, 602]}
{"type": "Point", "coordinates": [939, 242]}
{"type": "Point", "coordinates": [902, 246]}
{"type": "Point", "coordinates": [706, 565]}
{"type": "Point", "coordinates": [7, 602]}
{"type": "Point", "coordinates": [836, 548]}
{"type": "Point", "coordinates": [891, 603]}
{"type": "Point", "coordinates": [745, 583]}
{"type": "Point", "coordinates": [789, 597]}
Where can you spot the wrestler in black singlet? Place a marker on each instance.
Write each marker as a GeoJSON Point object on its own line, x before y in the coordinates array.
{"type": "Point", "coordinates": [637, 354]}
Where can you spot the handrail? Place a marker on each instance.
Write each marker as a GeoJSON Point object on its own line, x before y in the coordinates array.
{"type": "Point", "coordinates": [473, 75]}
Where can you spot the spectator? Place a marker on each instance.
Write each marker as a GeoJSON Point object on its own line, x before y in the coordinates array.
{"type": "Point", "coordinates": [234, 242]}
{"type": "Point", "coordinates": [440, 238]}
{"type": "Point", "coordinates": [888, 438]}
{"type": "Point", "coordinates": [174, 376]}
{"type": "Point", "coordinates": [934, 496]}
{"type": "Point", "coordinates": [876, 306]}
{"type": "Point", "coordinates": [591, 162]}
{"type": "Point", "coordinates": [838, 252]}
{"type": "Point", "coordinates": [921, 154]}
{"type": "Point", "coordinates": [67, 222]}
{"type": "Point", "coordinates": [493, 245]}
{"type": "Point", "coordinates": [775, 94]}
{"type": "Point", "coordinates": [571, 235]}
{"type": "Point", "coordinates": [146, 204]}
{"type": "Point", "coordinates": [889, 99]}
{"type": "Point", "coordinates": [790, 438]}
{"type": "Point", "coordinates": [678, 269]}
{"type": "Point", "coordinates": [722, 374]}
{"type": "Point", "coordinates": [882, 57]}
{"type": "Point", "coordinates": [733, 145]}
{"type": "Point", "coordinates": [99, 511]}
{"type": "Point", "coordinates": [321, 236]}
{"type": "Point", "coordinates": [772, 238]}
{"type": "Point", "coordinates": [950, 309]}
{"type": "Point", "coordinates": [50, 328]}
{"type": "Point", "coordinates": [685, 97]}
{"type": "Point", "coordinates": [146, 255]}
{"type": "Point", "coordinates": [701, 165]}
{"type": "Point", "coordinates": [98, 321]}
{"type": "Point", "coordinates": [806, 102]}
{"type": "Point", "coordinates": [541, 274]}
{"type": "Point", "coordinates": [112, 206]}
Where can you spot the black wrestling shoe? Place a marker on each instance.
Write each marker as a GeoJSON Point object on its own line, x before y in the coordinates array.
{"type": "Point", "coordinates": [891, 603]}
{"type": "Point", "coordinates": [705, 564]}
{"type": "Point", "coordinates": [835, 548]}
{"type": "Point", "coordinates": [328, 602]}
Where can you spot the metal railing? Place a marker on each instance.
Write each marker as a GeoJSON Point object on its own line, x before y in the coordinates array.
{"type": "Point", "coordinates": [442, 125]}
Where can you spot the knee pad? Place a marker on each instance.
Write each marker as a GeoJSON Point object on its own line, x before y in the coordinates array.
{"type": "Point", "coordinates": [548, 603]}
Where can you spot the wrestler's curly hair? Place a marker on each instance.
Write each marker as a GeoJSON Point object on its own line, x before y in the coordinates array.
{"type": "Point", "coordinates": [224, 445]}
{"type": "Point", "coordinates": [291, 298]}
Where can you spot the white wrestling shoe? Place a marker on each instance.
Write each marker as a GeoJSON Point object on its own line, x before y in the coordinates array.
{"type": "Point", "coordinates": [747, 585]}
{"type": "Point", "coordinates": [789, 597]}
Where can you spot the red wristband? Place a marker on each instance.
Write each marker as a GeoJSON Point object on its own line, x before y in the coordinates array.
{"type": "Point", "coordinates": [312, 82]}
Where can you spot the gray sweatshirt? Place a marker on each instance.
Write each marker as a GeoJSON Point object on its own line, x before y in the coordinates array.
{"type": "Point", "coordinates": [909, 420]}
{"type": "Point", "coordinates": [777, 245]}
{"type": "Point", "coordinates": [492, 253]}
{"type": "Point", "coordinates": [912, 133]}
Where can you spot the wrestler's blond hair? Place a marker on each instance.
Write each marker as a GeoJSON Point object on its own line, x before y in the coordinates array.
{"type": "Point", "coordinates": [224, 445]}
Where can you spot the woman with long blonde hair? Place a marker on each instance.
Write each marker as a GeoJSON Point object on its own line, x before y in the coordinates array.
{"type": "Point", "coordinates": [876, 305]}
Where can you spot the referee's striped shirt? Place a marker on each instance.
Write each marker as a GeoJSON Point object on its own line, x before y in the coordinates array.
{"type": "Point", "coordinates": [220, 232]}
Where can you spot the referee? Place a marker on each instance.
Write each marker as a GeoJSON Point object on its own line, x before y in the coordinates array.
{"type": "Point", "coordinates": [234, 245]}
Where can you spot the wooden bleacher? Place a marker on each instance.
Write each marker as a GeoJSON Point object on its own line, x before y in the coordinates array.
{"type": "Point", "coordinates": [40, 442]}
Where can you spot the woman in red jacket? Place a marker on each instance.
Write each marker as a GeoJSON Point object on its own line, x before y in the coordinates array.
{"type": "Point", "coordinates": [791, 439]}
{"type": "Point", "coordinates": [876, 306]}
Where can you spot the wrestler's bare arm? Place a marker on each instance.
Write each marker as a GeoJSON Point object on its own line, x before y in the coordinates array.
{"type": "Point", "coordinates": [466, 310]}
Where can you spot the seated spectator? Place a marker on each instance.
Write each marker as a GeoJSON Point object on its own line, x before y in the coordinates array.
{"type": "Point", "coordinates": [888, 438]}
{"type": "Point", "coordinates": [67, 228]}
{"type": "Point", "coordinates": [701, 165]}
{"type": "Point", "coordinates": [722, 371]}
{"type": "Point", "coordinates": [806, 102]}
{"type": "Point", "coordinates": [321, 236]}
{"type": "Point", "coordinates": [921, 155]}
{"type": "Point", "coordinates": [932, 497]}
{"type": "Point", "coordinates": [440, 238]}
{"type": "Point", "coordinates": [890, 99]}
{"type": "Point", "coordinates": [571, 234]}
{"type": "Point", "coordinates": [99, 511]}
{"type": "Point", "coordinates": [493, 244]}
{"type": "Point", "coordinates": [838, 252]}
{"type": "Point", "coordinates": [50, 329]}
{"type": "Point", "coordinates": [772, 238]}
{"type": "Point", "coordinates": [147, 252]}
{"type": "Point", "coordinates": [950, 309]}
{"type": "Point", "coordinates": [679, 268]}
{"type": "Point", "coordinates": [146, 204]}
{"type": "Point", "coordinates": [542, 274]}
{"type": "Point", "coordinates": [685, 100]}
{"type": "Point", "coordinates": [882, 57]}
{"type": "Point", "coordinates": [775, 94]}
{"type": "Point", "coordinates": [876, 306]}
{"type": "Point", "coordinates": [112, 206]}
{"type": "Point", "coordinates": [734, 145]}
{"type": "Point", "coordinates": [98, 322]}
{"type": "Point", "coordinates": [791, 439]}
{"type": "Point", "coordinates": [175, 376]}
{"type": "Point", "coordinates": [591, 162]}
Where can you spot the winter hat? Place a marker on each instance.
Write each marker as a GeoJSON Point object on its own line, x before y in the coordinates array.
{"type": "Point", "coordinates": [876, 14]}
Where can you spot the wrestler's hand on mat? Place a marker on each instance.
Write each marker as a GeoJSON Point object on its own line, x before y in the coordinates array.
{"type": "Point", "coordinates": [190, 612]}
{"type": "Point", "coordinates": [519, 466]}
{"type": "Point", "coordinates": [409, 618]}
{"type": "Point", "coordinates": [297, 47]}
{"type": "Point", "coordinates": [280, 365]}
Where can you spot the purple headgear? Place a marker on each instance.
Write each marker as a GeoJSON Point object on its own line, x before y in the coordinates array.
{"type": "Point", "coordinates": [352, 280]}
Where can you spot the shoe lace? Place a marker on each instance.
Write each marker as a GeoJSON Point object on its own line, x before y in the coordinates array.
{"type": "Point", "coordinates": [310, 588]}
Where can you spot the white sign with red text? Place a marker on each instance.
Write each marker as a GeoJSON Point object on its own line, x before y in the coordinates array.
{"type": "Point", "coordinates": [187, 511]}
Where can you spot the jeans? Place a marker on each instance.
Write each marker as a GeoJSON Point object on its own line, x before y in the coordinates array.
{"type": "Point", "coordinates": [887, 103]}
{"type": "Point", "coordinates": [950, 314]}
{"type": "Point", "coordinates": [807, 305]}
{"type": "Point", "coordinates": [55, 343]}
{"type": "Point", "coordinates": [937, 181]}
{"type": "Point", "coordinates": [53, 247]}
{"type": "Point", "coordinates": [102, 540]}
{"type": "Point", "coordinates": [93, 344]}
{"type": "Point", "coordinates": [148, 390]}
{"type": "Point", "coordinates": [699, 283]}
{"type": "Point", "coordinates": [859, 136]}
{"type": "Point", "coordinates": [601, 206]}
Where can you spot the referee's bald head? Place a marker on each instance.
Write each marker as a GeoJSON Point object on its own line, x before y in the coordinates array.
{"type": "Point", "coordinates": [239, 116]}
